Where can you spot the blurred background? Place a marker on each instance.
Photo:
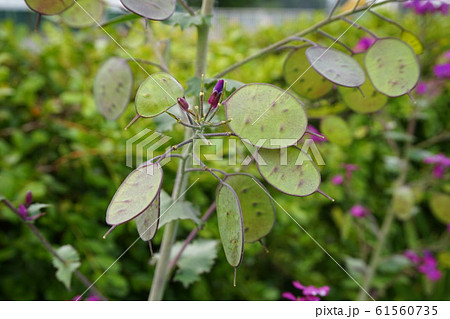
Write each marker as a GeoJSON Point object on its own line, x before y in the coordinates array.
{"type": "Point", "coordinates": [55, 143]}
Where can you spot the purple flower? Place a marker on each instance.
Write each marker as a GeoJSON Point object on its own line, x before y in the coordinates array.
{"type": "Point", "coordinates": [337, 179]}
{"type": "Point", "coordinates": [349, 169]}
{"type": "Point", "coordinates": [422, 7]}
{"type": "Point", "coordinates": [183, 103]}
{"type": "Point", "coordinates": [359, 211]}
{"type": "Point", "coordinates": [440, 162]}
{"type": "Point", "coordinates": [429, 267]}
{"type": "Point", "coordinates": [310, 293]}
{"type": "Point", "coordinates": [412, 256]}
{"type": "Point", "coordinates": [28, 199]}
{"type": "Point", "coordinates": [315, 138]}
{"type": "Point", "coordinates": [216, 93]}
{"type": "Point", "coordinates": [421, 88]}
{"type": "Point", "coordinates": [447, 55]}
{"type": "Point", "coordinates": [442, 71]}
{"type": "Point", "coordinates": [23, 211]}
{"type": "Point", "coordinates": [363, 45]}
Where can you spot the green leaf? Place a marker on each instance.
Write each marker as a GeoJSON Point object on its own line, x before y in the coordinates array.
{"type": "Point", "coordinates": [113, 86]}
{"type": "Point", "coordinates": [76, 16]}
{"type": "Point", "coordinates": [289, 170]}
{"type": "Point", "coordinates": [49, 7]}
{"type": "Point", "coordinates": [136, 193]}
{"type": "Point", "coordinates": [394, 264]}
{"type": "Point", "coordinates": [266, 114]}
{"type": "Point", "coordinates": [184, 20]}
{"type": "Point", "coordinates": [157, 94]}
{"type": "Point", "coordinates": [369, 101]}
{"type": "Point", "coordinates": [72, 262]}
{"type": "Point", "coordinates": [336, 66]}
{"type": "Point", "coordinates": [257, 207]}
{"type": "Point", "coordinates": [151, 9]}
{"type": "Point", "coordinates": [355, 266]}
{"type": "Point", "coordinates": [180, 210]}
{"type": "Point", "coordinates": [308, 83]}
{"type": "Point", "coordinates": [197, 258]}
{"type": "Point", "coordinates": [403, 202]}
{"type": "Point", "coordinates": [439, 204]}
{"type": "Point", "coordinates": [147, 222]}
{"type": "Point", "coordinates": [36, 208]}
{"type": "Point", "coordinates": [413, 41]}
{"type": "Point", "coordinates": [336, 130]}
{"type": "Point", "coordinates": [231, 224]}
{"type": "Point", "coordinates": [392, 66]}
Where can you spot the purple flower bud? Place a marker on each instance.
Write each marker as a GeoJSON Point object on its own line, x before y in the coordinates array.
{"type": "Point", "coordinates": [359, 211]}
{"type": "Point", "coordinates": [216, 93]}
{"type": "Point", "coordinates": [183, 103]}
{"type": "Point", "coordinates": [23, 212]}
{"type": "Point", "coordinates": [337, 179]}
{"type": "Point", "coordinates": [421, 88]}
{"type": "Point", "coordinates": [28, 199]}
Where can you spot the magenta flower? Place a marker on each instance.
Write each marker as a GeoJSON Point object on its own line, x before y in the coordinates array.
{"type": "Point", "coordinates": [23, 211]}
{"type": "Point", "coordinates": [216, 93]}
{"type": "Point", "coordinates": [363, 45]}
{"type": "Point", "coordinates": [442, 71]}
{"type": "Point", "coordinates": [310, 293]}
{"type": "Point", "coordinates": [429, 267]}
{"type": "Point", "coordinates": [422, 7]}
{"type": "Point", "coordinates": [440, 162]}
{"type": "Point", "coordinates": [337, 179]}
{"type": "Point", "coordinates": [412, 256]}
{"type": "Point", "coordinates": [421, 88]}
{"type": "Point", "coordinates": [447, 55]}
{"type": "Point", "coordinates": [315, 138]}
{"type": "Point", "coordinates": [28, 199]}
{"type": "Point", "coordinates": [359, 211]}
{"type": "Point", "coordinates": [183, 103]}
{"type": "Point", "coordinates": [349, 169]}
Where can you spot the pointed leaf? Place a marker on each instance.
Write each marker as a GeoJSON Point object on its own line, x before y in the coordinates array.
{"type": "Point", "coordinates": [308, 83]}
{"type": "Point", "coordinates": [258, 209]}
{"type": "Point", "coordinates": [369, 101]}
{"type": "Point", "coordinates": [336, 130]}
{"type": "Point", "coordinates": [231, 224]}
{"type": "Point", "coordinates": [392, 66]}
{"type": "Point", "coordinates": [289, 170]}
{"type": "Point", "coordinates": [157, 94]}
{"type": "Point", "coordinates": [49, 7]}
{"type": "Point", "coordinates": [113, 86]}
{"type": "Point", "coordinates": [84, 13]}
{"type": "Point", "coordinates": [136, 193]}
{"type": "Point", "coordinates": [151, 9]}
{"type": "Point", "coordinates": [263, 113]}
{"type": "Point", "coordinates": [147, 222]}
{"type": "Point", "coordinates": [72, 262]}
{"type": "Point", "coordinates": [336, 66]}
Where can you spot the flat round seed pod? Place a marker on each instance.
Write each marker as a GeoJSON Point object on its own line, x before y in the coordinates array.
{"type": "Point", "coordinates": [290, 170]}
{"type": "Point", "coordinates": [266, 116]}
{"type": "Point", "coordinates": [113, 86]}
{"type": "Point", "coordinates": [392, 67]}
{"type": "Point", "coordinates": [308, 84]}
{"type": "Point", "coordinates": [439, 204]}
{"type": "Point", "coordinates": [413, 41]}
{"type": "Point", "coordinates": [151, 9]}
{"type": "Point", "coordinates": [76, 16]}
{"type": "Point", "coordinates": [336, 66]}
{"type": "Point", "coordinates": [257, 207]}
{"type": "Point", "coordinates": [231, 224]}
{"type": "Point", "coordinates": [157, 94]}
{"type": "Point", "coordinates": [336, 130]}
{"type": "Point", "coordinates": [369, 101]}
{"type": "Point", "coordinates": [136, 193]}
{"type": "Point", "coordinates": [147, 222]}
{"type": "Point", "coordinates": [49, 7]}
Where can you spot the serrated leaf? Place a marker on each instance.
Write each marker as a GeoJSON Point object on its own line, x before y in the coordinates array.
{"type": "Point", "coordinates": [72, 262]}
{"type": "Point", "coordinates": [257, 207]}
{"type": "Point", "coordinates": [336, 130]}
{"type": "Point", "coordinates": [151, 9]}
{"type": "Point", "coordinates": [266, 114]}
{"type": "Point", "coordinates": [439, 204]}
{"type": "Point", "coordinates": [157, 94]}
{"type": "Point", "coordinates": [49, 7]}
{"type": "Point", "coordinates": [135, 194]}
{"type": "Point", "coordinates": [184, 20]}
{"type": "Point", "coordinates": [336, 66]}
{"type": "Point", "coordinates": [231, 224]}
{"type": "Point", "coordinates": [147, 222]}
{"type": "Point", "coordinates": [392, 66]}
{"type": "Point", "coordinates": [304, 80]}
{"type": "Point", "coordinates": [197, 258]}
{"type": "Point", "coordinates": [84, 14]}
{"type": "Point", "coordinates": [369, 101]}
{"type": "Point", "coordinates": [289, 170]}
{"type": "Point", "coordinates": [181, 210]}
{"type": "Point", "coordinates": [113, 86]}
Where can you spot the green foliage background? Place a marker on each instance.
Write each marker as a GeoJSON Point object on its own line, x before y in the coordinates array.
{"type": "Point", "coordinates": [55, 143]}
